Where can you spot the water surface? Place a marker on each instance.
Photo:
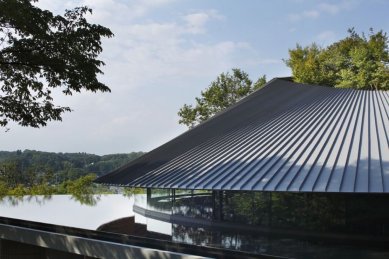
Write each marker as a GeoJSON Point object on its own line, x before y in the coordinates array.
{"type": "Point", "coordinates": [66, 210]}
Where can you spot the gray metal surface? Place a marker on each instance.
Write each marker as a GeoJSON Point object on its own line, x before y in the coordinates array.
{"type": "Point", "coordinates": [286, 137]}
{"type": "Point", "coordinates": [84, 246]}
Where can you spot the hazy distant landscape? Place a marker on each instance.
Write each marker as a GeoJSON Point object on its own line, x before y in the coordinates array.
{"type": "Point", "coordinates": [37, 172]}
{"type": "Point", "coordinates": [66, 165]}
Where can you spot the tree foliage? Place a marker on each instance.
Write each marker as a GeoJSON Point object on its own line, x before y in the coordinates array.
{"type": "Point", "coordinates": [26, 175]}
{"type": "Point", "coordinates": [39, 52]}
{"type": "Point", "coordinates": [30, 167]}
{"type": "Point", "coordinates": [43, 173]}
{"type": "Point", "coordinates": [227, 89]}
{"type": "Point", "coordinates": [356, 61]}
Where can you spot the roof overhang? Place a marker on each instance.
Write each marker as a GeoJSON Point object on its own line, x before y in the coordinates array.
{"type": "Point", "coordinates": [284, 137]}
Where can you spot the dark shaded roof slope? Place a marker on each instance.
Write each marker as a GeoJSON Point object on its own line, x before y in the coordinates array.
{"type": "Point", "coordinates": [284, 137]}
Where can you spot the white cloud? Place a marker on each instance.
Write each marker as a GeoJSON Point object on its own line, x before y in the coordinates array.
{"type": "Point", "coordinates": [336, 8]}
{"type": "Point", "coordinates": [326, 37]}
{"type": "Point", "coordinates": [153, 66]}
{"type": "Point", "coordinates": [196, 21]}
{"type": "Point", "coordinates": [322, 8]}
{"type": "Point", "coordinates": [270, 61]}
{"type": "Point", "coordinates": [293, 29]}
{"type": "Point", "coordinates": [107, 11]}
{"type": "Point", "coordinates": [329, 8]}
{"type": "Point", "coordinates": [311, 14]}
{"type": "Point", "coordinates": [158, 50]}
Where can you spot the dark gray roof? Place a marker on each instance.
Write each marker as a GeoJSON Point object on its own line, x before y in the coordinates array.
{"type": "Point", "coordinates": [284, 137]}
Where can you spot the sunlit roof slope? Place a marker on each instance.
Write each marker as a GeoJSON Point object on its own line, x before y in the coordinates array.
{"type": "Point", "coordinates": [284, 137]}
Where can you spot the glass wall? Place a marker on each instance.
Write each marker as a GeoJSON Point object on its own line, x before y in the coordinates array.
{"type": "Point", "coordinates": [288, 224]}
{"type": "Point", "coordinates": [246, 207]}
{"type": "Point", "coordinates": [364, 214]}
{"type": "Point", "coordinates": [193, 203]}
{"type": "Point", "coordinates": [275, 246]}
{"type": "Point", "coordinates": [159, 200]}
{"type": "Point", "coordinates": [140, 198]}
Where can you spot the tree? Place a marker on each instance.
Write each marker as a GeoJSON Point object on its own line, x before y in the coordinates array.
{"type": "Point", "coordinates": [40, 52]}
{"type": "Point", "coordinates": [11, 174]}
{"type": "Point", "coordinates": [3, 189]}
{"type": "Point", "coordinates": [356, 61]}
{"type": "Point", "coordinates": [227, 89]}
{"type": "Point", "coordinates": [82, 185]}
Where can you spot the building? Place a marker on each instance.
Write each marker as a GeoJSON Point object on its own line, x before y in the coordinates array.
{"type": "Point", "coordinates": [303, 163]}
{"type": "Point", "coordinates": [292, 170]}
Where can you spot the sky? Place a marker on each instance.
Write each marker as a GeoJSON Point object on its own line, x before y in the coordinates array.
{"type": "Point", "coordinates": [165, 52]}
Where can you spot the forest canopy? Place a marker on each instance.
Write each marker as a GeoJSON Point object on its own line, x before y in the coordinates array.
{"type": "Point", "coordinates": [357, 61]}
{"type": "Point", "coordinates": [36, 172]}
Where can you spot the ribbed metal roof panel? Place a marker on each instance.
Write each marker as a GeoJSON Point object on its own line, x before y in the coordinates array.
{"type": "Point", "coordinates": [332, 140]}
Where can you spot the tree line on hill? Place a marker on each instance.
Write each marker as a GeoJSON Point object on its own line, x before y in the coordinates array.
{"type": "Point", "coordinates": [42, 173]}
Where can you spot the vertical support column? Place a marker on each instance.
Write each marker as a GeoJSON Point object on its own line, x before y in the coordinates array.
{"type": "Point", "coordinates": [191, 202]}
{"type": "Point", "coordinates": [173, 199]}
{"type": "Point", "coordinates": [306, 210]}
{"type": "Point", "coordinates": [214, 207]}
{"type": "Point", "coordinates": [270, 209]}
{"type": "Point", "coordinates": [148, 197]}
{"type": "Point", "coordinates": [253, 216]}
{"type": "Point", "coordinates": [217, 205]}
{"type": "Point", "coordinates": [346, 213]}
{"type": "Point", "coordinates": [221, 201]}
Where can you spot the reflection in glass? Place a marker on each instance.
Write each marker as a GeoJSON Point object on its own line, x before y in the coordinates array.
{"type": "Point", "coordinates": [159, 200]}
{"type": "Point", "coordinates": [274, 222]}
{"type": "Point", "coordinates": [285, 224]}
{"type": "Point", "coordinates": [195, 204]}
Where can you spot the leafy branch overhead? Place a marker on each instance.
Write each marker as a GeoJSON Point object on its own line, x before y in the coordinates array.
{"type": "Point", "coordinates": [227, 89]}
{"type": "Point", "coordinates": [356, 61]}
{"type": "Point", "coordinates": [40, 51]}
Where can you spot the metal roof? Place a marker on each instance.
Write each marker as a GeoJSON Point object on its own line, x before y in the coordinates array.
{"type": "Point", "coordinates": [284, 137]}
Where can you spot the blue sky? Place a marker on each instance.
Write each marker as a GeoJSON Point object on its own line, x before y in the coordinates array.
{"type": "Point", "coordinates": [166, 51]}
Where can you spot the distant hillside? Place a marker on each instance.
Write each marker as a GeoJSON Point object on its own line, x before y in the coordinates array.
{"type": "Point", "coordinates": [66, 165]}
